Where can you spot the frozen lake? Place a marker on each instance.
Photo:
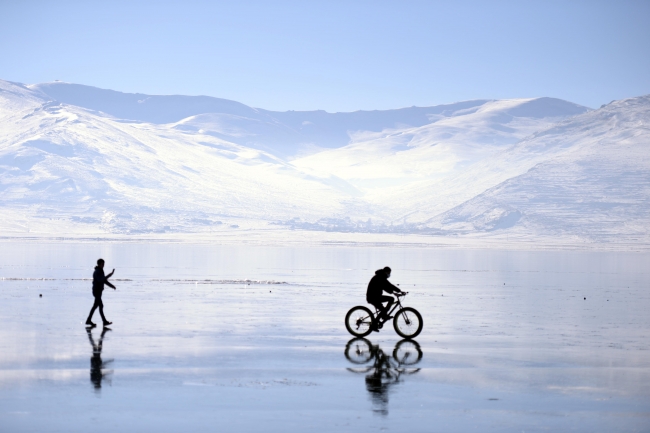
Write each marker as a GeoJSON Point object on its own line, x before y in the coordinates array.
{"type": "Point", "coordinates": [251, 338]}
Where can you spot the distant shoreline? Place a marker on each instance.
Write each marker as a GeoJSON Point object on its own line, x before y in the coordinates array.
{"type": "Point", "coordinates": [316, 239]}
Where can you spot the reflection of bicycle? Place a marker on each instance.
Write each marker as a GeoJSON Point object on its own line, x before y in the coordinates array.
{"type": "Point", "coordinates": [385, 371]}
{"type": "Point", "coordinates": [407, 321]}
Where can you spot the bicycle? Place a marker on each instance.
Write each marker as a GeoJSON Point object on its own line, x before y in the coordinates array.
{"type": "Point", "coordinates": [407, 322]}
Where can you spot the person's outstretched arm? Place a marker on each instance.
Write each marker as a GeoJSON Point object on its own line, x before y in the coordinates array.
{"type": "Point", "coordinates": [390, 288]}
{"type": "Point", "coordinates": [108, 283]}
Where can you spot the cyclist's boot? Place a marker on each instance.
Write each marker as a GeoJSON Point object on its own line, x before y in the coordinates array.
{"type": "Point", "coordinates": [374, 327]}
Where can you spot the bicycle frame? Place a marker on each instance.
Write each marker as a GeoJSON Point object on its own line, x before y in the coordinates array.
{"type": "Point", "coordinates": [397, 305]}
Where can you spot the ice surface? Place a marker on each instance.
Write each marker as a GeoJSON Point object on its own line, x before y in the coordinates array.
{"type": "Point", "coordinates": [201, 340]}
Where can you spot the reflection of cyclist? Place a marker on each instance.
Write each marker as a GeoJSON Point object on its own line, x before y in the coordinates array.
{"type": "Point", "coordinates": [385, 371]}
{"type": "Point", "coordinates": [379, 381]}
{"type": "Point", "coordinates": [377, 285]}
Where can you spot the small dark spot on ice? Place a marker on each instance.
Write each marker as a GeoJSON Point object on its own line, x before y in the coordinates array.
{"type": "Point", "coordinates": [40, 295]}
{"type": "Point", "coordinates": [585, 299]}
{"type": "Point", "coordinates": [493, 399]}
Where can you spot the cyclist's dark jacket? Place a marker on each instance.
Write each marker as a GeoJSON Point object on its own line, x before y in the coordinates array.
{"type": "Point", "coordinates": [378, 284]}
{"type": "Point", "coordinates": [99, 279]}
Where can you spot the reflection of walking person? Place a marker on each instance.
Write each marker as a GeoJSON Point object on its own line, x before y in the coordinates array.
{"type": "Point", "coordinates": [97, 365]}
{"type": "Point", "coordinates": [99, 279]}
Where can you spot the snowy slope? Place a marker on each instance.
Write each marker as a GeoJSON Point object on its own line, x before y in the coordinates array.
{"type": "Point", "coordinates": [450, 143]}
{"type": "Point", "coordinates": [587, 177]}
{"type": "Point", "coordinates": [61, 161]}
{"type": "Point", "coordinates": [293, 134]}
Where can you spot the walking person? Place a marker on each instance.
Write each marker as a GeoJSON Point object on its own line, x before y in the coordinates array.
{"type": "Point", "coordinates": [99, 279]}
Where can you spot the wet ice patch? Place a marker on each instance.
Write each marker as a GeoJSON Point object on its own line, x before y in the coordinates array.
{"type": "Point", "coordinates": [209, 281]}
{"type": "Point", "coordinates": [261, 384]}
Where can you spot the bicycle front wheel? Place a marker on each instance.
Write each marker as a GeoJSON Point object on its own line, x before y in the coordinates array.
{"type": "Point", "coordinates": [358, 321]}
{"type": "Point", "coordinates": [407, 352]}
{"type": "Point", "coordinates": [408, 323]}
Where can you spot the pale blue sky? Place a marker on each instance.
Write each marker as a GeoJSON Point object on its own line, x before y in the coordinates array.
{"type": "Point", "coordinates": [335, 55]}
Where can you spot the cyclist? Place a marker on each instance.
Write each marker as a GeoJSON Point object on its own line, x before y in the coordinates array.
{"type": "Point", "coordinates": [377, 285]}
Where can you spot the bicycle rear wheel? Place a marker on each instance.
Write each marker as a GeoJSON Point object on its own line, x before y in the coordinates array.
{"type": "Point", "coordinates": [358, 321]}
{"type": "Point", "coordinates": [408, 323]}
{"type": "Point", "coordinates": [358, 351]}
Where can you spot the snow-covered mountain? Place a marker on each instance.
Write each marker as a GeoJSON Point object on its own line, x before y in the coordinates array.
{"type": "Point", "coordinates": [64, 162]}
{"type": "Point", "coordinates": [80, 159]}
{"type": "Point", "coordinates": [587, 177]}
{"type": "Point", "coordinates": [447, 144]}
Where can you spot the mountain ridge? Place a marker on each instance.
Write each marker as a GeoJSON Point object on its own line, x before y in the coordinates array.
{"type": "Point", "coordinates": [282, 133]}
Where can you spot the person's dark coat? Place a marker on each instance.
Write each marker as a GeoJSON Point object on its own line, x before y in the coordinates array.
{"type": "Point", "coordinates": [99, 279]}
{"type": "Point", "coordinates": [378, 284]}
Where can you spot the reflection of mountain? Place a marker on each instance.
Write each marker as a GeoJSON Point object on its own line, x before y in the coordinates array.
{"type": "Point", "coordinates": [97, 365]}
{"type": "Point", "coordinates": [382, 371]}
{"type": "Point", "coordinates": [80, 159]}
